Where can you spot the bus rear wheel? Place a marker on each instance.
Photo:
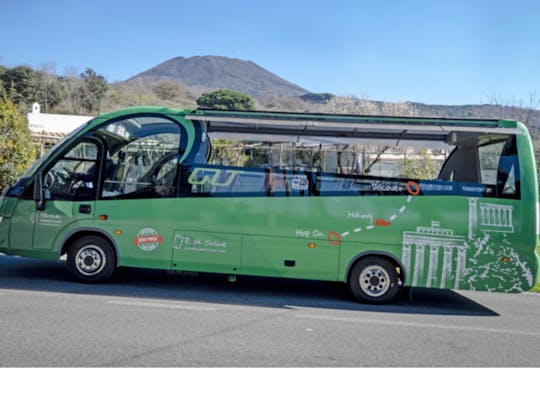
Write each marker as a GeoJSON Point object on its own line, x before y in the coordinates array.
{"type": "Point", "coordinates": [374, 280]}
{"type": "Point", "coordinates": [91, 259]}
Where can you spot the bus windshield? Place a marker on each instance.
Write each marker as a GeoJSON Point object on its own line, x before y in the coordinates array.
{"type": "Point", "coordinates": [33, 168]}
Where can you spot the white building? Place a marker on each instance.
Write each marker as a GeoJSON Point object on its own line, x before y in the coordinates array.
{"type": "Point", "coordinates": [48, 129]}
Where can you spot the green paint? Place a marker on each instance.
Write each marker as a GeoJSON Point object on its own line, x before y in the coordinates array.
{"type": "Point", "coordinates": [441, 234]}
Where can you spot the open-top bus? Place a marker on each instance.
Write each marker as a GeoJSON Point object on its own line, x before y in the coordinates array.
{"type": "Point", "coordinates": [308, 196]}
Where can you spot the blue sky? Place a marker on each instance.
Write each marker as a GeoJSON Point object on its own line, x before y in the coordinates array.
{"type": "Point", "coordinates": [452, 52]}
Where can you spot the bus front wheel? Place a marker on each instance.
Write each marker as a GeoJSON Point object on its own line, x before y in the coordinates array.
{"type": "Point", "coordinates": [91, 259]}
{"type": "Point", "coordinates": [373, 280]}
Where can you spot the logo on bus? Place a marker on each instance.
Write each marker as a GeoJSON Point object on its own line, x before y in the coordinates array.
{"type": "Point", "coordinates": [148, 239]}
{"type": "Point", "coordinates": [214, 177]}
{"type": "Point", "coordinates": [300, 182]}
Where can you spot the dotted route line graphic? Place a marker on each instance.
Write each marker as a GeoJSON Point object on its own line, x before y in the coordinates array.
{"type": "Point", "coordinates": [380, 221]}
{"type": "Point", "coordinates": [413, 189]}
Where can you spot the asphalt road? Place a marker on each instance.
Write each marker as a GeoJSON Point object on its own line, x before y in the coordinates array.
{"type": "Point", "coordinates": [148, 318]}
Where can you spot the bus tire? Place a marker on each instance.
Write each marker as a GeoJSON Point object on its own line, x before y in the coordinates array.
{"type": "Point", "coordinates": [91, 259]}
{"type": "Point", "coordinates": [373, 280]}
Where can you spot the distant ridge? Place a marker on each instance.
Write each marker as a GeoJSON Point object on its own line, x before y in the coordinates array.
{"type": "Point", "coordinates": [219, 72]}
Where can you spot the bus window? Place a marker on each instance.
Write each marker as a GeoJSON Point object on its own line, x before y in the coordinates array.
{"type": "Point", "coordinates": [499, 168]}
{"type": "Point", "coordinates": [142, 158]}
{"type": "Point", "coordinates": [461, 165]}
{"type": "Point", "coordinates": [488, 156]}
{"type": "Point", "coordinates": [74, 176]}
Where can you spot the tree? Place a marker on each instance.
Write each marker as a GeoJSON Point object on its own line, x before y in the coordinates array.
{"type": "Point", "coordinates": [519, 110]}
{"type": "Point", "coordinates": [166, 90]}
{"type": "Point", "coordinates": [48, 88]}
{"type": "Point", "coordinates": [92, 90]}
{"type": "Point", "coordinates": [423, 166]}
{"type": "Point", "coordinates": [25, 86]}
{"type": "Point", "coordinates": [227, 152]}
{"type": "Point", "coordinates": [16, 149]}
{"type": "Point", "coordinates": [2, 88]}
{"type": "Point", "coordinates": [226, 100]}
{"type": "Point", "coordinates": [19, 83]}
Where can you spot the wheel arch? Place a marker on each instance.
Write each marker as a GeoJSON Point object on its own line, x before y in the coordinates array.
{"type": "Point", "coordinates": [71, 237]}
{"type": "Point", "coordinates": [379, 253]}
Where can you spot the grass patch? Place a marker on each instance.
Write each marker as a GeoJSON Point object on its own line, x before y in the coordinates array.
{"type": "Point", "coordinates": [536, 288]}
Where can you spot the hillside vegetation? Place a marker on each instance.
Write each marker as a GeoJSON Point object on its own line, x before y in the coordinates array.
{"type": "Point", "coordinates": [179, 82]}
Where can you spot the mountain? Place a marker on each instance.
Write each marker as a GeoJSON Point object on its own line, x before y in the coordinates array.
{"type": "Point", "coordinates": [199, 74]}
{"type": "Point", "coordinates": [202, 73]}
{"type": "Point", "coordinates": [529, 116]}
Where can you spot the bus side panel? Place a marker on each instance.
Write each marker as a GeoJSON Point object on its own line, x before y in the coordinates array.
{"type": "Point", "coordinates": [206, 251]}
{"type": "Point", "coordinates": [469, 243]}
{"type": "Point", "coordinates": [22, 228]}
{"type": "Point", "coordinates": [457, 242]}
{"type": "Point", "coordinates": [289, 257]}
{"type": "Point", "coordinates": [449, 242]}
{"type": "Point", "coordinates": [143, 230]}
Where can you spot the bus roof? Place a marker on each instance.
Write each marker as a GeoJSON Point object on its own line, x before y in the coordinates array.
{"type": "Point", "coordinates": [259, 124]}
{"type": "Point", "coordinates": [447, 130]}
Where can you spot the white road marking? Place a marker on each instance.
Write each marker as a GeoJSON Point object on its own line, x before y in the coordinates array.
{"type": "Point", "coordinates": [345, 234]}
{"type": "Point", "coordinates": [357, 229]}
{"type": "Point", "coordinates": [419, 325]}
{"type": "Point", "coordinates": [403, 208]}
{"type": "Point", "coordinates": [161, 305]}
{"type": "Point", "coordinates": [393, 217]}
{"type": "Point", "coordinates": [370, 226]}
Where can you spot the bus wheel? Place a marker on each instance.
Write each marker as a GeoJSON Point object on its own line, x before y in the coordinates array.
{"type": "Point", "coordinates": [91, 259]}
{"type": "Point", "coordinates": [373, 280]}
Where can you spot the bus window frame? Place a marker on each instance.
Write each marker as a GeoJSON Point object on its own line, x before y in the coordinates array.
{"type": "Point", "coordinates": [180, 151]}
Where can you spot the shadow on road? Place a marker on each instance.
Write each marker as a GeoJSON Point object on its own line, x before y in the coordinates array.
{"type": "Point", "coordinates": [36, 275]}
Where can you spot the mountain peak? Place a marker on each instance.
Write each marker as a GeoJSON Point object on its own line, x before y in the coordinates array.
{"type": "Point", "coordinates": [213, 72]}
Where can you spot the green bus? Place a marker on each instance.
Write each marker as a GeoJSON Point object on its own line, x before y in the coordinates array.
{"type": "Point", "coordinates": [378, 203]}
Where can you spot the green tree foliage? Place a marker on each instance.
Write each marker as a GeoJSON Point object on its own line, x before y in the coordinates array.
{"type": "Point", "coordinates": [226, 100]}
{"type": "Point", "coordinates": [19, 84]}
{"type": "Point", "coordinates": [227, 152]}
{"type": "Point", "coordinates": [421, 166]}
{"type": "Point", "coordinates": [2, 89]}
{"type": "Point", "coordinates": [16, 149]}
{"type": "Point", "coordinates": [92, 90]}
{"type": "Point", "coordinates": [25, 86]}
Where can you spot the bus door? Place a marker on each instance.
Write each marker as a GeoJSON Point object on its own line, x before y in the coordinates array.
{"type": "Point", "coordinates": [70, 187]}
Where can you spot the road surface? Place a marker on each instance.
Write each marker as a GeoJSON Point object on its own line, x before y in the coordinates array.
{"type": "Point", "coordinates": [152, 318]}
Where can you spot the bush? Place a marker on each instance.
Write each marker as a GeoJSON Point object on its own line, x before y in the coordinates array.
{"type": "Point", "coordinates": [17, 152]}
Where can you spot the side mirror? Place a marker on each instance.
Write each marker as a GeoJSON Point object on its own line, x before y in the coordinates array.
{"type": "Point", "coordinates": [39, 196]}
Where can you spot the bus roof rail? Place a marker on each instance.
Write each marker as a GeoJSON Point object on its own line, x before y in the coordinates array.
{"type": "Point", "coordinates": [270, 123]}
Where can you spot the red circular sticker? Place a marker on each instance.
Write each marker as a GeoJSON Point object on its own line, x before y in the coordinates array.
{"type": "Point", "coordinates": [148, 239]}
{"type": "Point", "coordinates": [413, 188]}
{"type": "Point", "coordinates": [334, 238]}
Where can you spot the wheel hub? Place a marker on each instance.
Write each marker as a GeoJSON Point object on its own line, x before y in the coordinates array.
{"type": "Point", "coordinates": [90, 260]}
{"type": "Point", "coordinates": [374, 281]}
